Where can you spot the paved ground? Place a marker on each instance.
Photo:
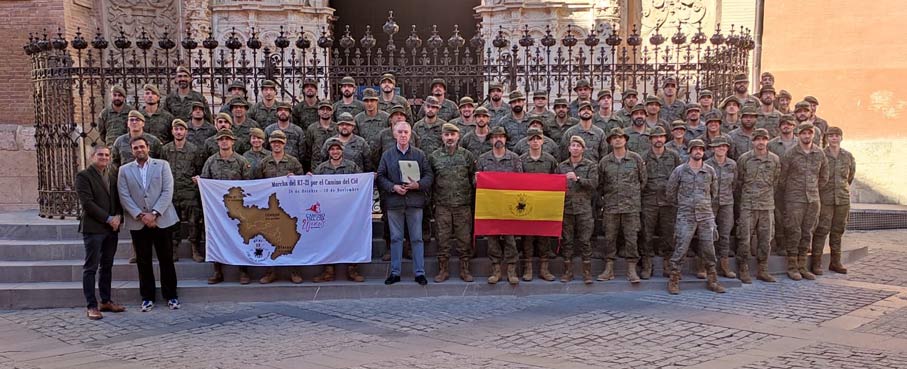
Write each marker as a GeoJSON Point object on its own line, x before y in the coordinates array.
{"type": "Point", "coordinates": [853, 321]}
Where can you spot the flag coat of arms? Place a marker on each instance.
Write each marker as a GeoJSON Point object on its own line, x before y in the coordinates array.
{"type": "Point", "coordinates": [527, 204]}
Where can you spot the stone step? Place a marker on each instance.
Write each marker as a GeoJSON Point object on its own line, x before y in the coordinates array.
{"type": "Point", "coordinates": [69, 294]}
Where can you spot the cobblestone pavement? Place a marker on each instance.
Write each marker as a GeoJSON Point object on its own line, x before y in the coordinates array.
{"type": "Point", "coordinates": [858, 320]}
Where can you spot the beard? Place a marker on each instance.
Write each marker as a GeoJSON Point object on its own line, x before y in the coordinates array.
{"type": "Point", "coordinates": [740, 89]}
{"type": "Point", "coordinates": [183, 84]}
{"type": "Point", "coordinates": [118, 103]}
{"type": "Point", "coordinates": [517, 109]}
{"type": "Point", "coordinates": [639, 121]}
{"type": "Point", "coordinates": [347, 93]}
{"type": "Point", "coordinates": [310, 94]}
{"type": "Point", "coordinates": [495, 98]}
{"type": "Point", "coordinates": [346, 133]}
{"type": "Point", "coordinates": [499, 145]}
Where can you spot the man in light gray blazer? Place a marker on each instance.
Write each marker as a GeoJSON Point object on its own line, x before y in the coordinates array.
{"type": "Point", "coordinates": [146, 192]}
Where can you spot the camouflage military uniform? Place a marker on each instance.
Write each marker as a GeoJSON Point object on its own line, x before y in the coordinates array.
{"type": "Point", "coordinates": [429, 134]}
{"type": "Point", "coordinates": [741, 142]}
{"type": "Point", "coordinates": [452, 197]}
{"type": "Point", "coordinates": [269, 167]}
{"type": "Point", "coordinates": [262, 114]}
{"type": "Point", "coordinates": [694, 132]}
{"type": "Point", "coordinates": [835, 200]}
{"type": "Point", "coordinates": [638, 141]}
{"type": "Point", "coordinates": [121, 151]}
{"type": "Point", "coordinates": [235, 167]}
{"type": "Point", "coordinates": [547, 164]}
{"type": "Point", "coordinates": [386, 141]}
{"type": "Point", "coordinates": [305, 114]}
{"type": "Point", "coordinates": [198, 135]}
{"type": "Point", "coordinates": [694, 192]}
{"type": "Point", "coordinates": [353, 108]}
{"type": "Point", "coordinates": [185, 163]}
{"type": "Point", "coordinates": [255, 158]}
{"type": "Point", "coordinates": [496, 113]}
{"type": "Point", "coordinates": [448, 111]}
{"type": "Point", "coordinates": [181, 106]}
{"type": "Point", "coordinates": [778, 146]}
{"type": "Point", "coordinates": [723, 207]}
{"type": "Point", "coordinates": [708, 142]}
{"type": "Point", "coordinates": [621, 182]}
{"type": "Point", "coordinates": [516, 129]}
{"type": "Point", "coordinates": [549, 146]}
{"type": "Point", "coordinates": [673, 111]}
{"type": "Point", "coordinates": [386, 106]}
{"type": "Point", "coordinates": [345, 167]}
{"type": "Point", "coordinates": [574, 106]}
{"type": "Point", "coordinates": [606, 123]}
{"type": "Point", "coordinates": [802, 174]}
{"type": "Point", "coordinates": [501, 249]}
{"type": "Point", "coordinates": [578, 213]}
{"type": "Point", "coordinates": [355, 149]}
{"type": "Point", "coordinates": [465, 127]}
{"type": "Point", "coordinates": [158, 124]}
{"type": "Point", "coordinates": [242, 142]}
{"type": "Point", "coordinates": [769, 121]}
{"type": "Point", "coordinates": [757, 178]}
{"type": "Point", "coordinates": [315, 135]}
{"type": "Point", "coordinates": [475, 144]}
{"type": "Point", "coordinates": [112, 124]}
{"type": "Point", "coordinates": [370, 126]}
{"type": "Point", "coordinates": [680, 149]}
{"type": "Point", "coordinates": [295, 145]}
{"type": "Point", "coordinates": [658, 212]}
{"type": "Point", "coordinates": [596, 144]}
{"type": "Point", "coordinates": [557, 131]}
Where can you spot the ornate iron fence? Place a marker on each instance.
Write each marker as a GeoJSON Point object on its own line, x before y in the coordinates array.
{"type": "Point", "coordinates": [72, 77]}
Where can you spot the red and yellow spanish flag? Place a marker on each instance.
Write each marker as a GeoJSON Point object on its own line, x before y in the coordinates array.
{"type": "Point", "coordinates": [526, 204]}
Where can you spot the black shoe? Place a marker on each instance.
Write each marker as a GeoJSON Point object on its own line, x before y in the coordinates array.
{"type": "Point", "coordinates": [392, 279]}
{"type": "Point", "coordinates": [420, 279]}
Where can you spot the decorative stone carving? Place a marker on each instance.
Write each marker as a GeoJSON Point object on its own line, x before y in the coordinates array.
{"type": "Point", "coordinates": [665, 15]}
{"type": "Point", "coordinates": [197, 15]}
{"type": "Point", "coordinates": [130, 16]}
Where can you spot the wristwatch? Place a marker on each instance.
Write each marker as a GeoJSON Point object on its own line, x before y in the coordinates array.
{"type": "Point", "coordinates": [155, 213]}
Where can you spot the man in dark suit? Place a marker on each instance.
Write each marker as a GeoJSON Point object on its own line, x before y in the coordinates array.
{"type": "Point", "coordinates": [145, 187]}
{"type": "Point", "coordinates": [100, 225]}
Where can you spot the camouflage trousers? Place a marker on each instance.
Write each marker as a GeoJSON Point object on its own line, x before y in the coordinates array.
{"type": "Point", "coordinates": [758, 225]}
{"type": "Point", "coordinates": [779, 237]}
{"type": "Point", "coordinates": [724, 220]}
{"type": "Point", "coordinates": [832, 224]}
{"type": "Point", "coordinates": [800, 218]}
{"type": "Point", "coordinates": [688, 227]}
{"type": "Point", "coordinates": [454, 228]}
{"type": "Point", "coordinates": [657, 236]}
{"type": "Point", "coordinates": [190, 225]}
{"type": "Point", "coordinates": [530, 243]}
{"type": "Point", "coordinates": [628, 225]}
{"type": "Point", "coordinates": [502, 249]}
{"type": "Point", "coordinates": [577, 232]}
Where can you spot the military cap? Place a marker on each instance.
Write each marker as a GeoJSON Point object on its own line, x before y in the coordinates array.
{"type": "Point", "coordinates": [118, 89]}
{"type": "Point", "coordinates": [516, 96]}
{"type": "Point", "coordinates": [695, 143]}
{"type": "Point", "coordinates": [346, 118]}
{"type": "Point", "coordinates": [616, 131]}
{"type": "Point", "coordinates": [712, 116]}
{"type": "Point", "coordinates": [637, 107]}
{"type": "Point", "coordinates": [334, 141]}
{"type": "Point", "coordinates": [399, 109]}
{"type": "Point", "coordinates": [347, 81]}
{"type": "Point", "coordinates": [137, 115]}
{"type": "Point", "coordinates": [582, 83]}
{"type": "Point", "coordinates": [741, 77]}
{"type": "Point", "coordinates": [834, 131]}
{"type": "Point", "coordinates": [669, 80]}
{"type": "Point", "coordinates": [226, 132]}
{"type": "Point", "coordinates": [561, 101]}
{"type": "Point", "coordinates": [536, 118]}
{"type": "Point", "coordinates": [278, 136]}
{"type": "Point", "coordinates": [760, 132]}
{"type": "Point", "coordinates": [325, 104]}
{"type": "Point", "coordinates": [182, 69]}
{"type": "Point", "coordinates": [369, 94]}
{"type": "Point", "coordinates": [309, 82]}
{"type": "Point", "coordinates": [438, 81]}
{"type": "Point", "coordinates": [466, 100]}
{"type": "Point", "coordinates": [767, 74]}
{"type": "Point", "coordinates": [805, 126]}
{"type": "Point", "coordinates": [257, 132]}
{"type": "Point", "coordinates": [703, 93]}
{"type": "Point", "coordinates": [784, 93]}
{"type": "Point", "coordinates": [152, 88]}
{"type": "Point", "coordinates": [449, 127]}
{"type": "Point", "coordinates": [498, 131]}
{"type": "Point", "coordinates": [658, 131]}
{"type": "Point", "coordinates": [812, 100]}
{"type": "Point", "coordinates": [584, 105]}
{"type": "Point", "coordinates": [197, 104]}
{"type": "Point", "coordinates": [539, 94]}
{"type": "Point", "coordinates": [678, 124]}
{"type": "Point", "coordinates": [749, 109]}
{"type": "Point", "coordinates": [766, 88]}
{"type": "Point", "coordinates": [284, 105]}
{"type": "Point", "coordinates": [718, 141]}
{"type": "Point", "coordinates": [495, 86]}
{"type": "Point", "coordinates": [603, 93]}
{"type": "Point", "coordinates": [801, 105]}
{"type": "Point", "coordinates": [532, 132]}
{"type": "Point", "coordinates": [693, 106]}
{"type": "Point", "coordinates": [269, 84]}
{"type": "Point", "coordinates": [179, 122]}
{"type": "Point", "coordinates": [481, 111]}
{"type": "Point", "coordinates": [629, 92]}
{"type": "Point", "coordinates": [578, 140]}
{"type": "Point", "coordinates": [728, 100]}
{"type": "Point", "coordinates": [653, 99]}
{"type": "Point", "coordinates": [238, 84]}
{"type": "Point", "coordinates": [238, 101]}
{"type": "Point", "coordinates": [388, 77]}
{"type": "Point", "coordinates": [786, 118]}
{"type": "Point", "coordinates": [225, 117]}
{"type": "Point", "coordinates": [432, 101]}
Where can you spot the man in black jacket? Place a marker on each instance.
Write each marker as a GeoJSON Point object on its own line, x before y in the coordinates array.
{"type": "Point", "coordinates": [100, 225]}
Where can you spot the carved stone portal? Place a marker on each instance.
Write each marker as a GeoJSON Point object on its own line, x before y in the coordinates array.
{"type": "Point", "coordinates": [130, 16]}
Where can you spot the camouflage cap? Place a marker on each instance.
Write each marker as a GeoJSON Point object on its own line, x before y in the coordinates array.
{"type": "Point", "coordinates": [284, 105]}
{"type": "Point", "coordinates": [603, 93]}
{"type": "Point", "coordinates": [397, 109]}
{"type": "Point", "coordinates": [466, 100]}
{"type": "Point", "coordinates": [741, 77]}
{"type": "Point", "coordinates": [495, 86]}
{"type": "Point", "coordinates": [693, 106]}
{"type": "Point", "coordinates": [658, 131]}
{"type": "Point", "coordinates": [225, 117]}
{"type": "Point", "coordinates": [749, 109]}
{"type": "Point", "coordinates": [278, 136]}
{"type": "Point", "coordinates": [179, 123]}
{"type": "Point", "coordinates": [812, 100]}
{"type": "Point", "coordinates": [537, 119]}
{"type": "Point", "coordinates": [636, 108]}
{"type": "Point", "coordinates": [257, 132]}
{"type": "Point", "coordinates": [760, 132]}
{"type": "Point", "coordinates": [532, 132]}
{"type": "Point", "coordinates": [802, 105]}
{"type": "Point", "coordinates": [325, 104]}
{"type": "Point", "coordinates": [766, 88]}
{"type": "Point", "coordinates": [712, 116]}
{"type": "Point", "coordinates": [806, 126]}
{"type": "Point", "coordinates": [784, 93]}
{"type": "Point", "coordinates": [787, 118]}
{"type": "Point", "coordinates": [669, 80]}
{"type": "Point", "coordinates": [197, 104]}
{"type": "Point", "coordinates": [578, 140]}
{"type": "Point", "coordinates": [152, 88]}
{"type": "Point", "coordinates": [498, 131]}
{"type": "Point", "coordinates": [728, 100]}
{"type": "Point", "coordinates": [653, 99]}
{"type": "Point", "coordinates": [516, 96]}
{"type": "Point", "coordinates": [346, 118]}
{"type": "Point", "coordinates": [269, 84]}
{"type": "Point", "coordinates": [539, 95]}
{"type": "Point", "coordinates": [704, 93]}
{"type": "Point", "coordinates": [369, 94]}
{"type": "Point", "coordinates": [561, 101]}
{"type": "Point", "coordinates": [137, 115]}
{"type": "Point", "coordinates": [117, 89]}
{"type": "Point", "coordinates": [629, 92]}
{"type": "Point", "coordinates": [449, 127]}
{"type": "Point", "coordinates": [237, 84]}
{"type": "Point", "coordinates": [333, 141]}
{"type": "Point", "coordinates": [582, 83]}
{"type": "Point", "coordinates": [584, 105]}
{"type": "Point", "coordinates": [238, 101]}
{"type": "Point", "coordinates": [432, 101]}
{"type": "Point", "coordinates": [834, 131]}
{"type": "Point", "coordinates": [225, 133]}
{"type": "Point", "coordinates": [616, 131]}
{"type": "Point", "coordinates": [695, 143]}
{"type": "Point", "coordinates": [481, 111]}
{"type": "Point", "coordinates": [310, 82]}
{"type": "Point", "coordinates": [678, 124]}
{"type": "Point", "coordinates": [438, 81]}
{"type": "Point", "coordinates": [347, 81]}
{"type": "Point", "coordinates": [182, 69]}
{"type": "Point", "coordinates": [388, 77]}
{"type": "Point", "coordinates": [719, 141]}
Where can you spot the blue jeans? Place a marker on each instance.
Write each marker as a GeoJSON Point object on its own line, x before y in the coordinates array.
{"type": "Point", "coordinates": [413, 220]}
{"type": "Point", "coordinates": [99, 251]}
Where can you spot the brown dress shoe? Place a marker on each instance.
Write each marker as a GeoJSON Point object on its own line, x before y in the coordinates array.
{"type": "Point", "coordinates": [112, 307]}
{"type": "Point", "coordinates": [94, 314]}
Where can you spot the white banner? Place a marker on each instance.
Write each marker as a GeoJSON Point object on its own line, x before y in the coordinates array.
{"type": "Point", "coordinates": [295, 220]}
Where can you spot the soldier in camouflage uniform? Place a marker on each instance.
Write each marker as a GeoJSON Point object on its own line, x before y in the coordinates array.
{"type": "Point", "coordinates": [112, 120]}
{"type": "Point", "coordinates": [121, 151]}
{"type": "Point", "coordinates": [730, 113]}
{"type": "Point", "coordinates": [695, 125]}
{"type": "Point", "coordinates": [741, 139]}
{"type": "Point", "coordinates": [372, 120]}
{"type": "Point", "coordinates": [606, 118]}
{"type": "Point", "coordinates": [803, 114]}
{"type": "Point", "coordinates": [758, 172]}
{"type": "Point", "coordinates": [561, 122]}
{"type": "Point", "coordinates": [278, 164]}
{"type": "Point", "coordinates": [501, 249]}
{"type": "Point", "coordinates": [622, 175]}
{"type": "Point", "coordinates": [242, 123]}
{"type": "Point", "coordinates": [540, 107]}
{"type": "Point", "coordinates": [657, 212]}
{"type": "Point", "coordinates": [477, 141]}
{"type": "Point", "coordinates": [835, 200]}
{"type": "Point", "coordinates": [495, 105]}
{"type": "Point", "coordinates": [786, 138]}
{"type": "Point", "coordinates": [222, 121]}
{"type": "Point", "coordinates": [452, 198]}
{"type": "Point", "coordinates": [693, 187]}
{"type": "Point", "coordinates": [653, 119]}
{"type": "Point", "coordinates": [804, 170]}
{"type": "Point", "coordinates": [583, 91]}
{"type": "Point", "coordinates": [628, 99]}
{"type": "Point", "coordinates": [389, 97]}
{"type": "Point", "coordinates": [236, 89]}
{"type": "Point", "coordinates": [466, 122]}
{"type": "Point", "coordinates": [549, 146]}
{"type": "Point", "coordinates": [199, 129]}
{"type": "Point", "coordinates": [537, 160]}
{"type": "Point", "coordinates": [707, 102]}
{"type": "Point", "coordinates": [318, 132]}
{"type": "Point", "coordinates": [257, 152]}
{"type": "Point", "coordinates": [783, 102]}
{"type": "Point", "coordinates": [348, 102]}
{"type": "Point", "coordinates": [179, 102]}
{"type": "Point", "coordinates": [582, 185]}
{"type": "Point", "coordinates": [448, 110]}
{"type": "Point", "coordinates": [306, 111]}
{"type": "Point", "coordinates": [678, 142]}
{"type": "Point", "coordinates": [741, 90]}
{"type": "Point", "coordinates": [263, 112]}
{"type": "Point", "coordinates": [517, 122]}
{"type": "Point", "coordinates": [723, 206]}
{"type": "Point", "coordinates": [157, 120]}
{"type": "Point", "coordinates": [713, 130]}
{"type": "Point", "coordinates": [673, 108]}
{"type": "Point", "coordinates": [186, 160]}
{"type": "Point", "coordinates": [226, 165]}
{"type": "Point", "coordinates": [815, 120]}
{"type": "Point", "coordinates": [294, 143]}
{"type": "Point", "coordinates": [594, 137]}
{"type": "Point", "coordinates": [638, 132]}
{"type": "Point", "coordinates": [428, 129]}
{"type": "Point", "coordinates": [768, 115]}
{"type": "Point", "coordinates": [355, 148]}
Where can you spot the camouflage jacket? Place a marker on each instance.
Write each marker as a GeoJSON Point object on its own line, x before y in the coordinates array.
{"type": "Point", "coordinates": [516, 129]}
{"type": "Point", "coordinates": [557, 131]}
{"type": "Point", "coordinates": [235, 167]}
{"type": "Point", "coordinates": [454, 174]}
{"type": "Point", "coordinates": [757, 179]}
{"type": "Point", "coordinates": [315, 135]}
{"type": "Point", "coordinates": [693, 191]}
{"type": "Point", "coordinates": [353, 108]}
{"type": "Point", "coordinates": [185, 163]}
{"type": "Point", "coordinates": [255, 158]}
{"type": "Point", "coordinates": [158, 124]}
{"type": "Point", "coordinates": [198, 135]}
{"type": "Point", "coordinates": [370, 126]}
{"type": "Point", "coordinates": [355, 149]}
{"type": "Point", "coordinates": [727, 178]}
{"type": "Point", "coordinates": [112, 124]}
{"type": "Point", "coordinates": [475, 144]}
{"type": "Point", "coordinates": [305, 114]}
{"type": "Point", "coordinates": [841, 170]}
{"type": "Point", "coordinates": [546, 163]}
{"type": "Point", "coordinates": [596, 145]}
{"type": "Point", "coordinates": [639, 141]}
{"type": "Point", "coordinates": [269, 167]}
{"type": "Point", "coordinates": [803, 173]}
{"type": "Point", "coordinates": [181, 106]}
{"type": "Point", "coordinates": [769, 121]}
{"type": "Point", "coordinates": [295, 145]}
{"type": "Point", "coordinates": [741, 142]}
{"type": "Point", "coordinates": [345, 167]}
{"type": "Point", "coordinates": [496, 113]}
{"type": "Point", "coordinates": [121, 151]}
{"type": "Point", "coordinates": [673, 111]}
{"type": "Point", "coordinates": [429, 135]}
{"type": "Point", "coordinates": [578, 199]}
{"type": "Point", "coordinates": [621, 182]}
{"type": "Point", "coordinates": [548, 145]}
{"type": "Point", "coordinates": [606, 123]}
{"type": "Point", "coordinates": [262, 114]}
{"type": "Point", "coordinates": [778, 146]}
{"type": "Point", "coordinates": [658, 170]}
{"type": "Point", "coordinates": [510, 162]}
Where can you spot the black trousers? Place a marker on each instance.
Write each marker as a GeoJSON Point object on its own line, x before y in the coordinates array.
{"type": "Point", "coordinates": [100, 249]}
{"type": "Point", "coordinates": [158, 239]}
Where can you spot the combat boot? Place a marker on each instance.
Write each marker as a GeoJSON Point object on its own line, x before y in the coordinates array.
{"type": "Point", "coordinates": [835, 264]}
{"type": "Point", "coordinates": [815, 265]}
{"type": "Point", "coordinates": [804, 271]}
{"type": "Point", "coordinates": [218, 275]}
{"type": "Point", "coordinates": [527, 270]}
{"type": "Point", "coordinates": [495, 274]}
{"type": "Point", "coordinates": [568, 272]}
{"type": "Point", "coordinates": [327, 275]}
{"type": "Point", "coordinates": [646, 267]}
{"type": "Point", "coordinates": [792, 270]}
{"type": "Point", "coordinates": [666, 267]}
{"type": "Point", "coordinates": [511, 274]}
{"type": "Point", "coordinates": [176, 245]}
{"type": "Point", "coordinates": [608, 273]}
{"type": "Point", "coordinates": [295, 277]}
{"type": "Point", "coordinates": [269, 277]}
{"type": "Point", "coordinates": [352, 273]}
{"type": "Point", "coordinates": [587, 272]}
{"type": "Point", "coordinates": [763, 274]}
{"type": "Point", "coordinates": [700, 268]}
{"type": "Point", "coordinates": [631, 271]}
{"type": "Point", "coordinates": [725, 268]}
{"type": "Point", "coordinates": [244, 276]}
{"type": "Point", "coordinates": [443, 273]}
{"type": "Point", "coordinates": [464, 271]}
{"type": "Point", "coordinates": [544, 273]}
{"type": "Point", "coordinates": [743, 271]}
{"type": "Point", "coordinates": [197, 254]}
{"type": "Point", "coordinates": [712, 282]}
{"type": "Point", "coordinates": [674, 283]}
